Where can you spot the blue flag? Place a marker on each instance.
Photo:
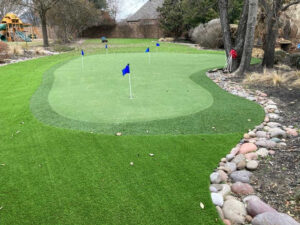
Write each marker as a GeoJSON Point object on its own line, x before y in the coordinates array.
{"type": "Point", "coordinates": [126, 70]}
{"type": "Point", "coordinates": [298, 46]}
{"type": "Point", "coordinates": [106, 46]}
{"type": "Point", "coordinates": [147, 50]}
{"type": "Point", "coordinates": [82, 52]}
{"type": "Point", "coordinates": [157, 44]}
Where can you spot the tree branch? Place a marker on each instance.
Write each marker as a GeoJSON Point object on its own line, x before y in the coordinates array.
{"type": "Point", "coordinates": [285, 7]}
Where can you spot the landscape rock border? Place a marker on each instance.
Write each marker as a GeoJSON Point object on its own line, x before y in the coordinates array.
{"type": "Point", "coordinates": [231, 192]}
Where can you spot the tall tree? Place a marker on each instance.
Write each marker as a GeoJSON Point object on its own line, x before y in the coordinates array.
{"type": "Point", "coordinates": [9, 6]}
{"type": "Point", "coordinates": [249, 38]}
{"type": "Point", "coordinates": [273, 9]}
{"type": "Point", "coordinates": [245, 34]}
{"type": "Point", "coordinates": [41, 7]}
{"type": "Point", "coordinates": [171, 17]}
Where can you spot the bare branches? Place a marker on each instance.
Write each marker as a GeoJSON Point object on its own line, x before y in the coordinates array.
{"type": "Point", "coordinates": [285, 7]}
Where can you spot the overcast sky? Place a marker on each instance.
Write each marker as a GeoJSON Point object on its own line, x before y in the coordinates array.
{"type": "Point", "coordinates": [128, 7]}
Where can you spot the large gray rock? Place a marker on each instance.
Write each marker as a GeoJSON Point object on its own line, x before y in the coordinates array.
{"type": "Point", "coordinates": [235, 211]}
{"type": "Point", "coordinates": [266, 144]}
{"type": "Point", "coordinates": [273, 124]}
{"type": "Point", "coordinates": [230, 166]}
{"type": "Point", "coordinates": [215, 178]}
{"type": "Point", "coordinates": [277, 132]}
{"type": "Point", "coordinates": [238, 158]}
{"type": "Point", "coordinates": [255, 206]}
{"type": "Point", "coordinates": [217, 199]}
{"type": "Point", "coordinates": [242, 188]}
{"type": "Point", "coordinates": [274, 218]}
{"type": "Point", "coordinates": [242, 176]}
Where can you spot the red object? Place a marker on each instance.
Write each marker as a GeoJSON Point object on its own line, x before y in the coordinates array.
{"type": "Point", "coordinates": [233, 53]}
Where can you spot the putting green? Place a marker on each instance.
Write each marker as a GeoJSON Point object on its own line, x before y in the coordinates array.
{"type": "Point", "coordinates": [99, 93]}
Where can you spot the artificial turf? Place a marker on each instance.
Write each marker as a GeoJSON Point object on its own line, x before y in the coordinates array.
{"type": "Point", "coordinates": [51, 175]}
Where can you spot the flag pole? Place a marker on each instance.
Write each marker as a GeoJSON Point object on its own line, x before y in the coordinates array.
{"type": "Point", "coordinates": [149, 57]}
{"type": "Point", "coordinates": [130, 91]}
{"type": "Point", "coordinates": [82, 63]}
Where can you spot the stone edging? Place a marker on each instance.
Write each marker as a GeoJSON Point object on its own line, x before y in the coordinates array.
{"type": "Point", "coordinates": [234, 171]}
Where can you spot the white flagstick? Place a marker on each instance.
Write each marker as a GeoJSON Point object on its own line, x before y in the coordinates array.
{"type": "Point", "coordinates": [82, 66]}
{"type": "Point", "coordinates": [149, 58]}
{"type": "Point", "coordinates": [130, 91]}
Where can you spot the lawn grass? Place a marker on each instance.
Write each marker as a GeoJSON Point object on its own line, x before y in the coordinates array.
{"type": "Point", "coordinates": [54, 175]}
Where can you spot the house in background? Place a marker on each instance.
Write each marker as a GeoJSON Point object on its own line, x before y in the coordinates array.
{"type": "Point", "coordinates": [143, 24]}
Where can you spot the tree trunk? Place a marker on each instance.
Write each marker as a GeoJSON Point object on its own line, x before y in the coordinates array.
{"type": "Point", "coordinates": [240, 37]}
{"type": "Point", "coordinates": [249, 38]}
{"type": "Point", "coordinates": [271, 35]}
{"type": "Point", "coordinates": [223, 8]}
{"type": "Point", "coordinates": [44, 29]}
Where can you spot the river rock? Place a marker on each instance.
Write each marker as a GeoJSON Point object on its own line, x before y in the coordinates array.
{"type": "Point", "coordinates": [273, 116]}
{"type": "Point", "coordinates": [273, 124]}
{"type": "Point", "coordinates": [229, 157]}
{"type": "Point", "coordinates": [241, 175]}
{"type": "Point", "coordinates": [255, 206]}
{"type": "Point", "coordinates": [252, 165]}
{"type": "Point", "coordinates": [235, 211]}
{"type": "Point", "coordinates": [262, 152]}
{"type": "Point", "coordinates": [251, 156]}
{"type": "Point", "coordinates": [292, 132]}
{"type": "Point", "coordinates": [242, 188]}
{"type": "Point", "coordinates": [235, 150]}
{"type": "Point", "coordinates": [226, 190]}
{"type": "Point", "coordinates": [223, 175]}
{"type": "Point", "coordinates": [274, 218]}
{"type": "Point", "coordinates": [277, 132]}
{"type": "Point", "coordinates": [266, 143]}
{"type": "Point", "coordinates": [241, 165]}
{"type": "Point", "coordinates": [217, 199]}
{"type": "Point", "coordinates": [277, 140]}
{"type": "Point", "coordinates": [261, 134]}
{"type": "Point", "coordinates": [215, 178]}
{"type": "Point", "coordinates": [231, 166]}
{"type": "Point", "coordinates": [238, 158]}
{"type": "Point", "coordinates": [220, 212]}
{"type": "Point", "coordinates": [247, 147]}
{"type": "Point", "coordinates": [226, 222]}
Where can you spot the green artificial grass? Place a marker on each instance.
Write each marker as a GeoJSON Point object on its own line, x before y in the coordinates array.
{"type": "Point", "coordinates": [51, 175]}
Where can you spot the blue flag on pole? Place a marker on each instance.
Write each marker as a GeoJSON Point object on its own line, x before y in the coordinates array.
{"type": "Point", "coordinates": [298, 46]}
{"type": "Point", "coordinates": [82, 52]}
{"type": "Point", "coordinates": [126, 70]}
{"type": "Point", "coordinates": [147, 50]}
{"type": "Point", "coordinates": [106, 46]}
{"type": "Point", "coordinates": [157, 44]}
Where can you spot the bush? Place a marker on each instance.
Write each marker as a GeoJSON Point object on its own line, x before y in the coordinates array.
{"type": "Point", "coordinates": [208, 35]}
{"type": "Point", "coordinates": [3, 51]}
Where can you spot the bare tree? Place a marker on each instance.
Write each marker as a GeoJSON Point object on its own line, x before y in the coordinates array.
{"type": "Point", "coordinates": [113, 7]}
{"type": "Point", "coordinates": [9, 6]}
{"type": "Point", "coordinates": [273, 9]}
{"type": "Point", "coordinates": [249, 38]}
{"type": "Point", "coordinates": [41, 7]}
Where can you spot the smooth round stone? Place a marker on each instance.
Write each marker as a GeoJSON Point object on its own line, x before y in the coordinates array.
{"type": "Point", "coordinates": [255, 206]}
{"type": "Point", "coordinates": [241, 165]}
{"type": "Point", "coordinates": [235, 211]}
{"type": "Point", "coordinates": [247, 147]}
{"type": "Point", "coordinates": [277, 140]}
{"type": "Point", "coordinates": [223, 175]}
{"type": "Point", "coordinates": [251, 156]}
{"type": "Point", "coordinates": [247, 136]}
{"type": "Point", "coordinates": [274, 218]}
{"type": "Point", "coordinates": [266, 143]}
{"type": "Point", "coordinates": [231, 166]}
{"type": "Point", "coordinates": [277, 132]}
{"type": "Point", "coordinates": [262, 152]}
{"type": "Point", "coordinates": [252, 165]}
{"type": "Point", "coordinates": [261, 134]}
{"type": "Point", "coordinates": [226, 222]}
{"type": "Point", "coordinates": [273, 124]}
{"type": "Point", "coordinates": [217, 199]}
{"type": "Point", "coordinates": [242, 188]}
{"type": "Point", "coordinates": [241, 175]}
{"type": "Point", "coordinates": [226, 190]}
{"type": "Point", "coordinates": [215, 178]}
{"type": "Point", "coordinates": [229, 157]}
{"type": "Point", "coordinates": [292, 132]}
{"type": "Point", "coordinates": [220, 212]}
{"type": "Point", "coordinates": [238, 158]}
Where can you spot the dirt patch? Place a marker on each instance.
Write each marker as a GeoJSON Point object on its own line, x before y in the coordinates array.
{"type": "Point", "coordinates": [277, 181]}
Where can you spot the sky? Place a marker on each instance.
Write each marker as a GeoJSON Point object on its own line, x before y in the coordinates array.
{"type": "Point", "coordinates": [128, 7]}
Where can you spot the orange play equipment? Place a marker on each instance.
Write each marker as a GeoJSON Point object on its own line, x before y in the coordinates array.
{"type": "Point", "coordinates": [12, 29]}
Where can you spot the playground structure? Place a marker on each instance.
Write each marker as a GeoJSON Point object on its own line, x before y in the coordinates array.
{"type": "Point", "coordinates": [12, 29]}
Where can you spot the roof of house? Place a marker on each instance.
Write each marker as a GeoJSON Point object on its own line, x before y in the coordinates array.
{"type": "Point", "coordinates": [147, 12]}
